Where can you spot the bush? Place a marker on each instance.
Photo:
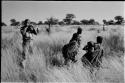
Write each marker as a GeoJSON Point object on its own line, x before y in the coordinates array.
{"type": "Point", "coordinates": [3, 24]}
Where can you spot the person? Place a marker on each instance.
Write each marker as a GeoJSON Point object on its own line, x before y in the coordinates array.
{"type": "Point", "coordinates": [70, 50]}
{"type": "Point", "coordinates": [48, 30]}
{"type": "Point", "coordinates": [89, 48]}
{"type": "Point", "coordinates": [27, 31]}
{"type": "Point", "coordinates": [88, 56]}
{"type": "Point", "coordinates": [98, 52]}
{"type": "Point", "coordinates": [94, 52]}
{"type": "Point", "coordinates": [37, 30]}
{"type": "Point", "coordinates": [77, 36]}
{"type": "Point", "coordinates": [103, 27]}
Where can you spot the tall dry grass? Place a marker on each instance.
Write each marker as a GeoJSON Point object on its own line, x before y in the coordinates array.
{"type": "Point", "coordinates": [114, 43]}
{"type": "Point", "coordinates": [46, 63]}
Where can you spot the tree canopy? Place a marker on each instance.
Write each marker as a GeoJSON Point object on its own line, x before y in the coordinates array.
{"type": "Point", "coordinates": [68, 19]}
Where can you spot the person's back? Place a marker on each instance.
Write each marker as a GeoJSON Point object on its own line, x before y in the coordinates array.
{"type": "Point", "coordinates": [76, 37]}
{"type": "Point", "coordinates": [98, 46]}
{"type": "Point", "coordinates": [70, 50]}
{"type": "Point", "coordinates": [73, 46]}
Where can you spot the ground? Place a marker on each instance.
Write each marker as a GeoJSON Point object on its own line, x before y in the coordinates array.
{"type": "Point", "coordinates": [45, 64]}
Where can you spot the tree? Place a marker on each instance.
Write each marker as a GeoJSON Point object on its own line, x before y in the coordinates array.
{"type": "Point", "coordinates": [75, 22]}
{"type": "Point", "coordinates": [68, 19]}
{"type": "Point", "coordinates": [14, 22]}
{"type": "Point", "coordinates": [61, 23]}
{"type": "Point", "coordinates": [3, 24]}
{"type": "Point", "coordinates": [84, 21]}
{"type": "Point", "coordinates": [40, 23]}
{"type": "Point", "coordinates": [17, 23]}
{"type": "Point", "coordinates": [33, 23]}
{"type": "Point", "coordinates": [46, 22]}
{"type": "Point", "coordinates": [51, 21]}
{"type": "Point", "coordinates": [111, 22]}
{"type": "Point", "coordinates": [104, 22]}
{"type": "Point", "coordinates": [119, 19]}
{"type": "Point", "coordinates": [91, 21]}
{"type": "Point", "coordinates": [96, 23]}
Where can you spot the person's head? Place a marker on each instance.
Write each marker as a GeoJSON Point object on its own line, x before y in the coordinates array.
{"type": "Point", "coordinates": [27, 22]}
{"type": "Point", "coordinates": [99, 39]}
{"type": "Point", "coordinates": [90, 44]}
{"type": "Point", "coordinates": [79, 30]}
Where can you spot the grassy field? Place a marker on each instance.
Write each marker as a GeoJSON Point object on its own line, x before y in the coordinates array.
{"type": "Point", "coordinates": [46, 62]}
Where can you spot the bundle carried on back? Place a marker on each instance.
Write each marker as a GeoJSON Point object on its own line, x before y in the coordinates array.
{"type": "Point", "coordinates": [70, 50]}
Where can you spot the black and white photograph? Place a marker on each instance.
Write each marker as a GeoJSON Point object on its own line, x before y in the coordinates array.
{"type": "Point", "coordinates": [62, 41]}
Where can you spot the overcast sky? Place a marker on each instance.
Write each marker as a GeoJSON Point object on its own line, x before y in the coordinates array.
{"type": "Point", "coordinates": [40, 10]}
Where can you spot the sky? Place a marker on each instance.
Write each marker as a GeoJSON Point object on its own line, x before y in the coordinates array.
{"type": "Point", "coordinates": [41, 10]}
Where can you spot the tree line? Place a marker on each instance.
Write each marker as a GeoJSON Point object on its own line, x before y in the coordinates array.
{"type": "Point", "coordinates": [118, 20]}
{"type": "Point", "coordinates": [69, 20]}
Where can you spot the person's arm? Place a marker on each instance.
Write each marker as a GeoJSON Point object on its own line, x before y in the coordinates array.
{"type": "Point", "coordinates": [35, 32]}
{"type": "Point", "coordinates": [25, 29]}
{"type": "Point", "coordinates": [32, 30]}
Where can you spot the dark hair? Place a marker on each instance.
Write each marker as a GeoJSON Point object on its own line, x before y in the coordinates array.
{"type": "Point", "coordinates": [79, 30]}
{"type": "Point", "coordinates": [90, 43]}
{"type": "Point", "coordinates": [25, 21]}
{"type": "Point", "coordinates": [99, 39]}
